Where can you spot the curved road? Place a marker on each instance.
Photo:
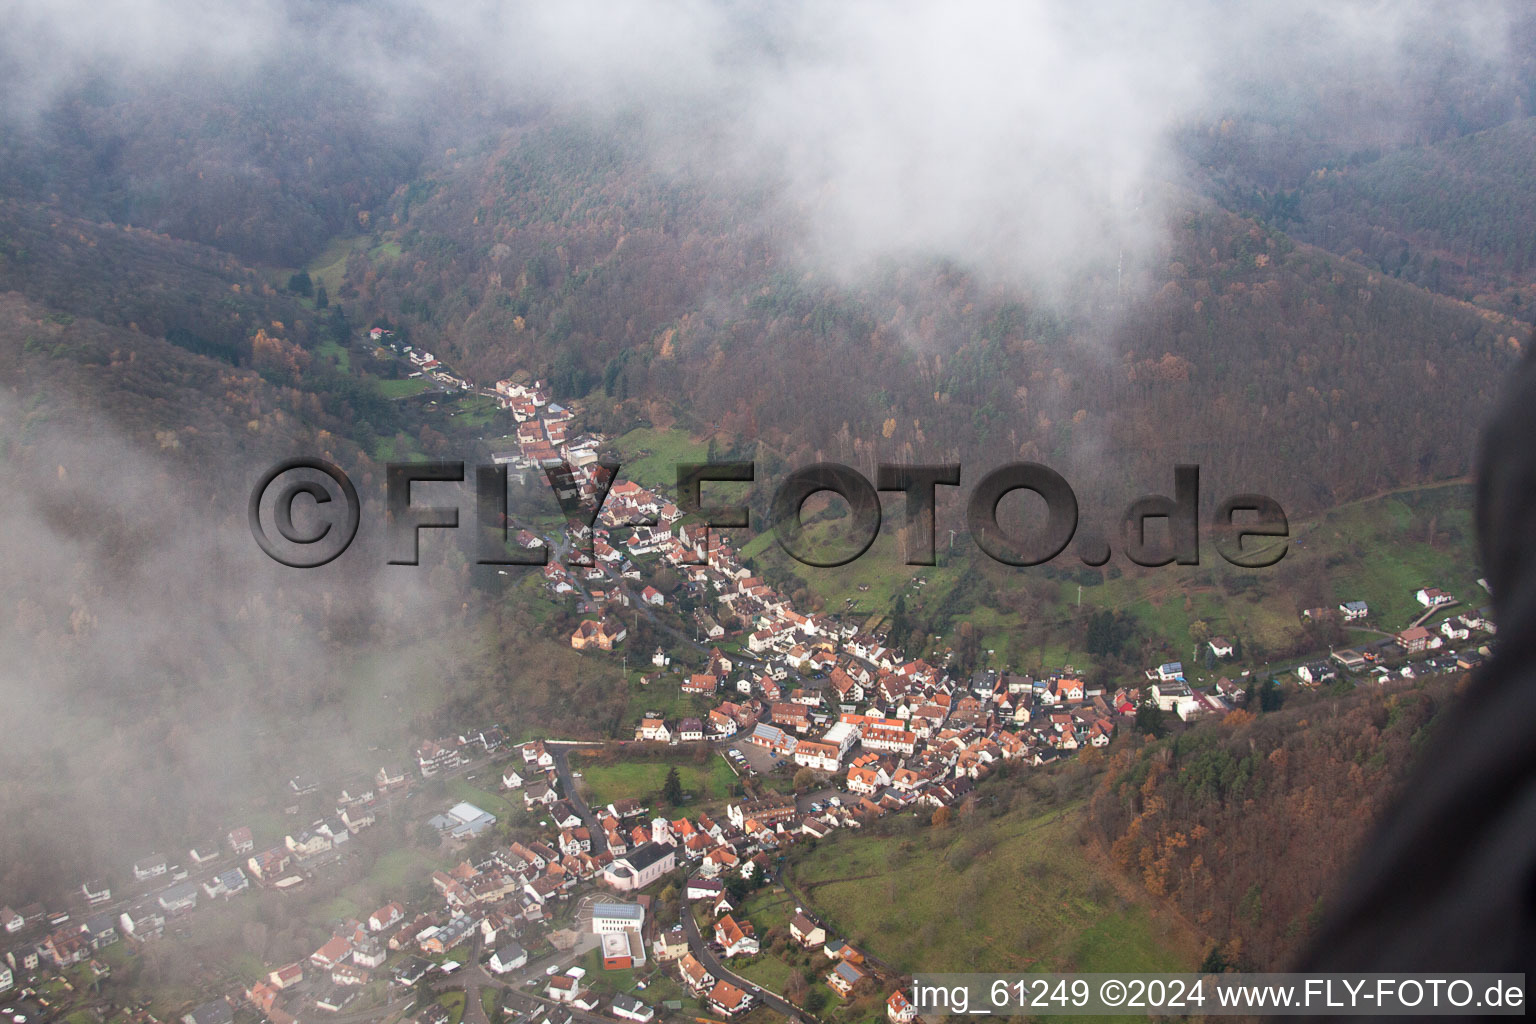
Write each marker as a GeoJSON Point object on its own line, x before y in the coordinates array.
{"type": "Point", "coordinates": [706, 956]}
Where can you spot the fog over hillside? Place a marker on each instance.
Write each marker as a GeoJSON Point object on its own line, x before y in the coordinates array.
{"type": "Point", "coordinates": [849, 229]}
{"type": "Point", "coordinates": [1015, 139]}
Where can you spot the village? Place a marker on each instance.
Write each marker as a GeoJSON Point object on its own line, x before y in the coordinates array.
{"type": "Point", "coordinates": [621, 911]}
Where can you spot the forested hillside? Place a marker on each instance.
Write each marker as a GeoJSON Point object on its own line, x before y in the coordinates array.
{"type": "Point", "coordinates": [1452, 217]}
{"type": "Point", "coordinates": [1233, 346]}
{"type": "Point", "coordinates": [266, 164]}
{"type": "Point", "coordinates": [1247, 823]}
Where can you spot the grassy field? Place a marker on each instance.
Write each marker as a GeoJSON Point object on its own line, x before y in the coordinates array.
{"type": "Point", "coordinates": [330, 266]}
{"type": "Point", "coordinates": [666, 698]}
{"type": "Point", "coordinates": [475, 412]}
{"type": "Point", "coordinates": [336, 354]}
{"type": "Point", "coordinates": [709, 782]}
{"type": "Point", "coordinates": [405, 387]}
{"type": "Point", "coordinates": [1018, 893]}
{"type": "Point", "coordinates": [649, 457]}
{"type": "Point", "coordinates": [401, 865]}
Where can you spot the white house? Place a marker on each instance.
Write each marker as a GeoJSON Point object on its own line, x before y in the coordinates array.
{"type": "Point", "coordinates": [1433, 597]}
{"type": "Point", "coordinates": [1354, 610]}
{"type": "Point", "coordinates": [629, 1008]}
{"type": "Point", "coordinates": [1453, 630]}
{"type": "Point", "coordinates": [508, 958]}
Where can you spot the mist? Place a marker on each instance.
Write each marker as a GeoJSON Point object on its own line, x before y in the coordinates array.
{"type": "Point", "coordinates": [1020, 141]}
{"type": "Point", "coordinates": [160, 669]}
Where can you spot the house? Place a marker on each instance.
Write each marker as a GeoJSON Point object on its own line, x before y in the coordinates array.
{"type": "Point", "coordinates": [1454, 630]}
{"type": "Point", "coordinates": [511, 780]}
{"type": "Point", "coordinates": [268, 864]}
{"type": "Point", "coordinates": [653, 730]}
{"type": "Point", "coordinates": [387, 779]}
{"type": "Point", "coordinates": [627, 1007]}
{"type": "Point", "coordinates": [336, 950]}
{"type": "Point", "coordinates": [1353, 611]}
{"type": "Point", "coordinates": [216, 1012]}
{"type": "Point", "coordinates": [652, 596]}
{"type": "Point", "coordinates": [1315, 672]}
{"type": "Point", "coordinates": [308, 843]}
{"type": "Point", "coordinates": [707, 889]}
{"type": "Point", "coordinates": [508, 957]}
{"type": "Point", "coordinates": [844, 977]}
{"type": "Point", "coordinates": [1433, 597]}
{"type": "Point", "coordinates": [599, 635]}
{"type": "Point", "coordinates": [539, 794]}
{"type": "Point", "coordinates": [240, 841]}
{"type": "Point", "coordinates": [1220, 647]}
{"type": "Point", "coordinates": [670, 945]}
{"type": "Point", "coordinates": [387, 916]}
{"type": "Point", "coordinates": [226, 883]}
{"type": "Point", "coordinates": [728, 999]}
{"type": "Point", "coordinates": [1168, 694]}
{"type": "Point", "coordinates": [348, 974]}
{"type": "Point", "coordinates": [11, 920]}
{"type": "Point", "coordinates": [100, 930]}
{"type": "Point", "coordinates": [410, 970]}
{"type": "Point", "coordinates": [702, 684]}
{"type": "Point", "coordinates": [899, 1009]}
{"type": "Point", "coordinates": [736, 937]}
{"type": "Point", "coordinates": [152, 866]}
{"type": "Point", "coordinates": [690, 730]}
{"type": "Point", "coordinates": [807, 930]}
{"type": "Point", "coordinates": [369, 953]}
{"type": "Point", "coordinates": [178, 898]}
{"type": "Point", "coordinates": [563, 988]}
{"type": "Point", "coordinates": [436, 756]}
{"type": "Point", "coordinates": [693, 975]}
{"type": "Point", "coordinates": [335, 998]}
{"type": "Point", "coordinates": [1413, 639]}
{"type": "Point", "coordinates": [96, 892]}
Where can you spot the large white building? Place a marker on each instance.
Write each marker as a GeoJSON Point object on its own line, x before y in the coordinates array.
{"type": "Point", "coordinates": [463, 820]}
{"type": "Point", "coordinates": [640, 867]}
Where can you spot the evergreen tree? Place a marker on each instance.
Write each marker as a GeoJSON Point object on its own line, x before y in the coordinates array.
{"type": "Point", "coordinates": [672, 788]}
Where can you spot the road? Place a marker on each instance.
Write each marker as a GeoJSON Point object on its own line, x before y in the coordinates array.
{"type": "Point", "coordinates": [706, 956]}
{"type": "Point", "coordinates": [568, 787]}
{"type": "Point", "coordinates": [513, 987]}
